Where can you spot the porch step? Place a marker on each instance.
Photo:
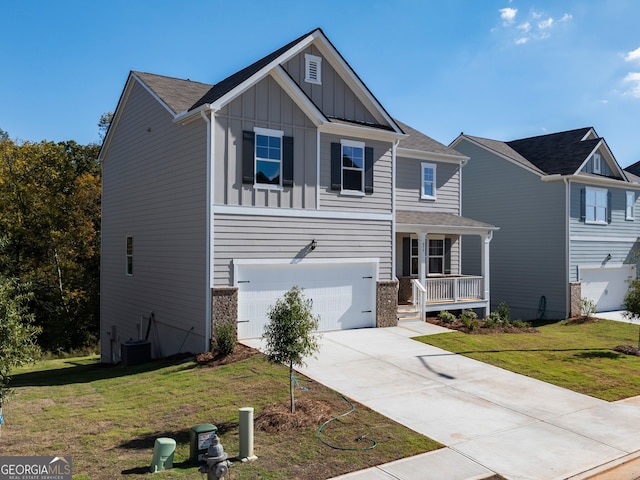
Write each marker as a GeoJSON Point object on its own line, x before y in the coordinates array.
{"type": "Point", "coordinates": [408, 312]}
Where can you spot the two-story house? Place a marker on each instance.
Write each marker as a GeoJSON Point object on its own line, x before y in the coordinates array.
{"type": "Point", "coordinates": [219, 198]}
{"type": "Point", "coordinates": [569, 227]}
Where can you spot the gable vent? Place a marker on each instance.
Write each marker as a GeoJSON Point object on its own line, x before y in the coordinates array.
{"type": "Point", "coordinates": [313, 69]}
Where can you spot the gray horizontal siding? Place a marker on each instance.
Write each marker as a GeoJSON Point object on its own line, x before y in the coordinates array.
{"type": "Point", "coordinates": [154, 189]}
{"type": "Point", "coordinates": [261, 237]}
{"type": "Point", "coordinates": [264, 105]}
{"type": "Point", "coordinates": [528, 253]}
{"type": "Point", "coordinates": [591, 243]}
{"type": "Point", "coordinates": [333, 97]}
{"type": "Point", "coordinates": [379, 201]}
{"type": "Point", "coordinates": [408, 181]}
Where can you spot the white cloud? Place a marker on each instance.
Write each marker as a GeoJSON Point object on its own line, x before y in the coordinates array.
{"type": "Point", "coordinates": [634, 79]}
{"type": "Point", "coordinates": [633, 56]}
{"type": "Point", "coordinates": [537, 25]}
{"type": "Point", "coordinates": [508, 15]}
{"type": "Point", "coordinates": [545, 24]}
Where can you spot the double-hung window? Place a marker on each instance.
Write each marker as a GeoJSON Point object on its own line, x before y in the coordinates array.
{"type": "Point", "coordinates": [428, 187]}
{"type": "Point", "coordinates": [268, 157]}
{"type": "Point", "coordinates": [436, 255]}
{"type": "Point", "coordinates": [631, 202]}
{"type": "Point", "coordinates": [596, 205]}
{"type": "Point", "coordinates": [415, 256]}
{"type": "Point", "coordinates": [352, 165]}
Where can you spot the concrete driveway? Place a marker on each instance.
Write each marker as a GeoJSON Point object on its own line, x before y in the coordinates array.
{"type": "Point", "coordinates": [490, 419]}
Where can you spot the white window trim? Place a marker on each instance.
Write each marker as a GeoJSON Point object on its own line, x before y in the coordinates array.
{"type": "Point", "coordinates": [597, 163]}
{"type": "Point", "coordinates": [429, 256]}
{"type": "Point", "coordinates": [310, 60]}
{"type": "Point", "coordinates": [606, 206]}
{"type": "Point", "coordinates": [269, 133]}
{"type": "Point", "coordinates": [424, 166]}
{"type": "Point", "coordinates": [354, 144]}
{"type": "Point", "coordinates": [630, 205]}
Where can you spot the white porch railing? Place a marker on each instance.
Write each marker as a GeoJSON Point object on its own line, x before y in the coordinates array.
{"type": "Point", "coordinates": [452, 289]}
{"type": "Point", "coordinates": [419, 296]}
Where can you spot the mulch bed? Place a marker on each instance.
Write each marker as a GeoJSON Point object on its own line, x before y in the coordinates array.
{"type": "Point", "coordinates": [212, 359]}
{"type": "Point", "coordinates": [277, 417]}
{"type": "Point", "coordinates": [628, 350]}
{"type": "Point", "coordinates": [459, 326]}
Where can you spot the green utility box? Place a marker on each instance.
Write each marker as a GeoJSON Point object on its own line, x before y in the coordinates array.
{"type": "Point", "coordinates": [199, 439]}
{"type": "Point", "coordinates": [163, 451]}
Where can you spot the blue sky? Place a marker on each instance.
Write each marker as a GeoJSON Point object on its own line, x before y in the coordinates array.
{"type": "Point", "coordinates": [501, 69]}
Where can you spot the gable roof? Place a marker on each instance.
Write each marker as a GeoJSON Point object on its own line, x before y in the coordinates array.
{"type": "Point", "coordinates": [419, 141]}
{"type": "Point", "coordinates": [504, 150]}
{"type": "Point", "coordinates": [634, 169]}
{"type": "Point", "coordinates": [557, 153]}
{"type": "Point", "coordinates": [177, 94]}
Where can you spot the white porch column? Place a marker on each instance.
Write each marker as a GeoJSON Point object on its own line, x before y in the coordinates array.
{"type": "Point", "coordinates": [486, 240]}
{"type": "Point", "coordinates": [422, 262]}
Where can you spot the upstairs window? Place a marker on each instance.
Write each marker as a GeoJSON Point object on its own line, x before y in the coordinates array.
{"type": "Point", "coordinates": [313, 69]}
{"type": "Point", "coordinates": [267, 158]}
{"type": "Point", "coordinates": [597, 163]}
{"type": "Point", "coordinates": [596, 205]}
{"type": "Point", "coordinates": [428, 188]}
{"type": "Point", "coordinates": [351, 167]}
{"type": "Point", "coordinates": [631, 202]}
{"type": "Point", "coordinates": [129, 256]}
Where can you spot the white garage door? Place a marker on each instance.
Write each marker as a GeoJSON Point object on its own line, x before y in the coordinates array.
{"type": "Point", "coordinates": [606, 287]}
{"type": "Point", "coordinates": [343, 294]}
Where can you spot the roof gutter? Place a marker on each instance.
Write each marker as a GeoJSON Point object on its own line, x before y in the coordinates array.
{"type": "Point", "coordinates": [605, 181]}
{"type": "Point", "coordinates": [188, 116]}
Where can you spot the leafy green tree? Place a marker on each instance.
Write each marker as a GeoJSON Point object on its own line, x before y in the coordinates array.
{"type": "Point", "coordinates": [17, 333]}
{"type": "Point", "coordinates": [289, 335]}
{"type": "Point", "coordinates": [49, 235]}
{"type": "Point", "coordinates": [104, 123]}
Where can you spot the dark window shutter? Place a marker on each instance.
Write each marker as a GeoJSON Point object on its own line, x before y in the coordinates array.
{"type": "Point", "coordinates": [248, 157]}
{"type": "Point", "coordinates": [447, 256]}
{"type": "Point", "coordinates": [608, 207]}
{"type": "Point", "coordinates": [287, 161]}
{"type": "Point", "coordinates": [583, 205]}
{"type": "Point", "coordinates": [368, 170]}
{"type": "Point", "coordinates": [336, 166]}
{"type": "Point", "coordinates": [406, 256]}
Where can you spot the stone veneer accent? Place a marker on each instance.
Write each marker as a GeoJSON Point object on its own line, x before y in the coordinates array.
{"type": "Point", "coordinates": [224, 307]}
{"type": "Point", "coordinates": [387, 303]}
{"type": "Point", "coordinates": [405, 290]}
{"type": "Point", "coordinates": [575, 292]}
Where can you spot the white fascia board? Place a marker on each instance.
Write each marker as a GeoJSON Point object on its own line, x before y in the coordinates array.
{"type": "Point", "coordinates": [443, 229]}
{"type": "Point", "coordinates": [153, 94]}
{"type": "Point", "coordinates": [360, 131]}
{"type": "Point", "coordinates": [593, 180]}
{"type": "Point", "coordinates": [300, 99]}
{"type": "Point", "coordinates": [300, 213]}
{"type": "Point", "coordinates": [354, 82]}
{"type": "Point", "coordinates": [263, 72]}
{"type": "Point", "coordinates": [538, 173]}
{"type": "Point", "coordinates": [188, 116]}
{"type": "Point", "coordinates": [591, 133]}
{"type": "Point", "coordinates": [425, 155]}
{"type": "Point", "coordinates": [586, 160]}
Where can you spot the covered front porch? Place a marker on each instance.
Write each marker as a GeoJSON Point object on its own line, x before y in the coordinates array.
{"type": "Point", "coordinates": [429, 271]}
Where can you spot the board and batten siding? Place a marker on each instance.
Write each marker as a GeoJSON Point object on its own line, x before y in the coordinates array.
{"type": "Point", "coordinates": [528, 254]}
{"type": "Point", "coordinates": [333, 96]}
{"type": "Point", "coordinates": [272, 237]}
{"type": "Point", "coordinates": [591, 243]}
{"type": "Point", "coordinates": [379, 201]}
{"type": "Point", "coordinates": [409, 188]}
{"type": "Point", "coordinates": [154, 190]}
{"type": "Point", "coordinates": [264, 105]}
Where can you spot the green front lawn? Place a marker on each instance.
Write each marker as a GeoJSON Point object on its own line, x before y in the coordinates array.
{"type": "Point", "coordinates": [107, 419]}
{"type": "Point", "coordinates": [577, 356]}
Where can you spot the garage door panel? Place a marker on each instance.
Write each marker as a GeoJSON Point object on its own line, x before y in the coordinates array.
{"type": "Point", "coordinates": [342, 294]}
{"type": "Point", "coordinates": [606, 287]}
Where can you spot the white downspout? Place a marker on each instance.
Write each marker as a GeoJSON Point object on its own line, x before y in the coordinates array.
{"type": "Point", "coordinates": [567, 200]}
{"type": "Point", "coordinates": [317, 169]}
{"type": "Point", "coordinates": [486, 270]}
{"type": "Point", "coordinates": [394, 148]}
{"type": "Point", "coordinates": [210, 121]}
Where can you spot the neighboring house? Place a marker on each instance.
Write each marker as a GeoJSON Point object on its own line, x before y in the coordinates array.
{"type": "Point", "coordinates": [568, 221]}
{"type": "Point", "coordinates": [218, 198]}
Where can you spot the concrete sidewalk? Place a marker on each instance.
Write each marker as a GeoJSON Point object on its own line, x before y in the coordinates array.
{"type": "Point", "coordinates": [491, 420]}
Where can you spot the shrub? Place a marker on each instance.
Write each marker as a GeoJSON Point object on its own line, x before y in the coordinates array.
{"type": "Point", "coordinates": [587, 307]}
{"type": "Point", "coordinates": [493, 320]}
{"type": "Point", "coordinates": [504, 313]}
{"type": "Point", "coordinates": [520, 324]}
{"type": "Point", "coordinates": [469, 319]}
{"type": "Point", "coordinates": [446, 317]}
{"type": "Point", "coordinates": [226, 340]}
